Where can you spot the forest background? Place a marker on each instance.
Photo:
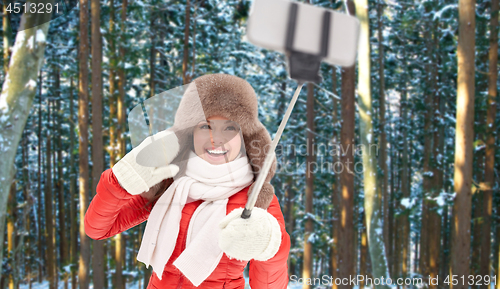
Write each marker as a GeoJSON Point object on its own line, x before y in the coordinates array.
{"type": "Point", "coordinates": [415, 121]}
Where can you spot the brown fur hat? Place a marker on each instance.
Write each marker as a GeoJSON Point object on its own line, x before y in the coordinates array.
{"type": "Point", "coordinates": [233, 98]}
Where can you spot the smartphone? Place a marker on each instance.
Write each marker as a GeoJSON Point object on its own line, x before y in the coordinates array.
{"type": "Point", "coordinates": [269, 24]}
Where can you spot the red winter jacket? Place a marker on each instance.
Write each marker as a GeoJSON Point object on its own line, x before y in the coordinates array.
{"type": "Point", "coordinates": [113, 211]}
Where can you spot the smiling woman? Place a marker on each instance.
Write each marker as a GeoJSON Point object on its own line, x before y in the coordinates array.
{"type": "Point", "coordinates": [217, 140]}
{"type": "Point", "coordinates": [210, 165]}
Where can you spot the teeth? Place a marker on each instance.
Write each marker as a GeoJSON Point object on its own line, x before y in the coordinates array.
{"type": "Point", "coordinates": [216, 152]}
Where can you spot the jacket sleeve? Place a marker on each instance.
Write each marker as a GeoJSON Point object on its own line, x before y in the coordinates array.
{"type": "Point", "coordinates": [113, 210]}
{"type": "Point", "coordinates": [272, 273]}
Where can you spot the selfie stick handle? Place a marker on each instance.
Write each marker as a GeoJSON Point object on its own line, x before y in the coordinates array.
{"type": "Point", "coordinates": [269, 157]}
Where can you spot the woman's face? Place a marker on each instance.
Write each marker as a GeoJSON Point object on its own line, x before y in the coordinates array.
{"type": "Point", "coordinates": [217, 140]}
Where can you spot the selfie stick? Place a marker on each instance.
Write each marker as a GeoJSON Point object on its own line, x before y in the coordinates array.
{"type": "Point", "coordinates": [269, 158]}
{"type": "Point", "coordinates": [303, 67]}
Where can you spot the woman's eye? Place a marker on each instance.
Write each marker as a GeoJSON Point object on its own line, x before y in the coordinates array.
{"type": "Point", "coordinates": [230, 128]}
{"type": "Point", "coordinates": [204, 126]}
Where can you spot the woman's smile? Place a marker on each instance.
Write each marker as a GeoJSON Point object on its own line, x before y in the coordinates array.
{"type": "Point", "coordinates": [217, 140]}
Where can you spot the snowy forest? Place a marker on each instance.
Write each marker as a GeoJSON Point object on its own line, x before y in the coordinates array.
{"type": "Point", "coordinates": [386, 169]}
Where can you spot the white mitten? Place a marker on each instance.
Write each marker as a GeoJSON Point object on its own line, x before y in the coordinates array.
{"type": "Point", "coordinates": [137, 179]}
{"type": "Point", "coordinates": [258, 237]}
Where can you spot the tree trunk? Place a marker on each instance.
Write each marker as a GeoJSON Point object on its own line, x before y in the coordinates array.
{"type": "Point", "coordinates": [382, 160]}
{"type": "Point", "coordinates": [7, 32]}
{"type": "Point", "coordinates": [373, 199]}
{"type": "Point", "coordinates": [112, 86]}
{"type": "Point", "coordinates": [49, 219]}
{"type": "Point", "coordinates": [120, 144]}
{"type": "Point", "coordinates": [435, 218]}
{"type": "Point", "coordinates": [72, 189]}
{"type": "Point", "coordinates": [145, 271]}
{"type": "Point", "coordinates": [39, 191]}
{"type": "Point", "coordinates": [478, 174]}
{"type": "Point", "coordinates": [363, 259]}
{"type": "Point", "coordinates": [442, 175]}
{"type": "Point", "coordinates": [489, 174]}
{"type": "Point", "coordinates": [401, 230]}
{"type": "Point", "coordinates": [477, 206]}
{"type": "Point", "coordinates": [97, 146]}
{"type": "Point", "coordinates": [11, 240]}
{"type": "Point", "coordinates": [307, 271]}
{"type": "Point", "coordinates": [83, 124]}
{"type": "Point", "coordinates": [403, 234]}
{"type": "Point", "coordinates": [426, 183]}
{"type": "Point", "coordinates": [437, 184]}
{"type": "Point", "coordinates": [27, 250]}
{"type": "Point", "coordinates": [346, 232]}
{"type": "Point", "coordinates": [63, 241]}
{"type": "Point", "coordinates": [16, 100]}
{"type": "Point", "coordinates": [463, 144]}
{"type": "Point", "coordinates": [289, 214]}
{"type": "Point", "coordinates": [54, 188]}
{"type": "Point", "coordinates": [445, 264]}
{"type": "Point", "coordinates": [430, 218]}
{"type": "Point", "coordinates": [391, 252]}
{"type": "Point", "coordinates": [185, 78]}
{"type": "Point", "coordinates": [193, 65]}
{"type": "Point", "coordinates": [122, 85]}
{"type": "Point", "coordinates": [152, 55]}
{"type": "Point", "coordinates": [119, 281]}
{"type": "Point", "coordinates": [113, 103]}
{"type": "Point", "coordinates": [163, 68]}
{"type": "Point", "coordinates": [335, 188]}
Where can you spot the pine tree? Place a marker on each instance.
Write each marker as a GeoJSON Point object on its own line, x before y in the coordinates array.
{"type": "Point", "coordinates": [463, 145]}
{"type": "Point", "coordinates": [97, 142]}
{"type": "Point", "coordinates": [83, 124]}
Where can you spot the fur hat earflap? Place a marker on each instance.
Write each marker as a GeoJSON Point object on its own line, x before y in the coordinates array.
{"type": "Point", "coordinates": [235, 99]}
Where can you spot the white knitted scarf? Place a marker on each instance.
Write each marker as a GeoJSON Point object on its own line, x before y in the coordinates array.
{"type": "Point", "coordinates": [212, 183]}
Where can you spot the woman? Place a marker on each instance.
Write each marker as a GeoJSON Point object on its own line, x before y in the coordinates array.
{"type": "Point", "coordinates": [181, 236]}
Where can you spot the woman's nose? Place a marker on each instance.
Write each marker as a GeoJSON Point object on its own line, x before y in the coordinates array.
{"type": "Point", "coordinates": [218, 138]}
